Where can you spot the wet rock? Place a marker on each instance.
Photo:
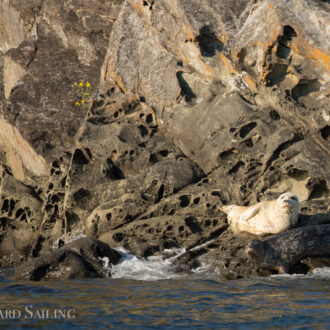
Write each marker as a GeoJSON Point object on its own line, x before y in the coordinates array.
{"type": "Point", "coordinates": [284, 252]}
{"type": "Point", "coordinates": [78, 259]}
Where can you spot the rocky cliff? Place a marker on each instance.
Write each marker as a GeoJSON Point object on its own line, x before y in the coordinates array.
{"type": "Point", "coordinates": [196, 104]}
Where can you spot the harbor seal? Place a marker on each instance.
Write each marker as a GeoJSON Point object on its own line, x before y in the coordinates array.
{"type": "Point", "coordinates": [282, 252]}
{"type": "Point", "coordinates": [267, 217]}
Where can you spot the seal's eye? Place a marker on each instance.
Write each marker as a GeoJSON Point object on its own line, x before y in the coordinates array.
{"type": "Point", "coordinates": [294, 198]}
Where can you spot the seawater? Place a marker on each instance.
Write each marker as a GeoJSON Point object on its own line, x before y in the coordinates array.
{"type": "Point", "coordinates": [148, 294]}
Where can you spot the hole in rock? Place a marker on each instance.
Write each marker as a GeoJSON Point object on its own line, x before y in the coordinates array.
{"type": "Point", "coordinates": [248, 143]}
{"type": "Point", "coordinates": [186, 91]}
{"type": "Point", "coordinates": [227, 153]}
{"type": "Point", "coordinates": [304, 88]}
{"type": "Point", "coordinates": [196, 200]}
{"type": "Point", "coordinates": [246, 129]}
{"type": "Point", "coordinates": [143, 130]}
{"type": "Point", "coordinates": [142, 145]}
{"type": "Point", "coordinates": [153, 159]}
{"type": "Point", "coordinates": [325, 132]}
{"type": "Point", "coordinates": [81, 194]}
{"type": "Point", "coordinates": [153, 132]}
{"type": "Point", "coordinates": [235, 168]}
{"type": "Point", "coordinates": [208, 42]}
{"type": "Point", "coordinates": [274, 115]}
{"type": "Point", "coordinates": [149, 119]}
{"type": "Point", "coordinates": [193, 225]}
{"type": "Point", "coordinates": [164, 153]}
{"type": "Point", "coordinates": [184, 200]}
{"type": "Point", "coordinates": [288, 32]}
{"type": "Point", "coordinates": [277, 74]}
{"type": "Point", "coordinates": [5, 206]}
{"type": "Point", "coordinates": [216, 193]}
{"type": "Point", "coordinates": [19, 212]}
{"type": "Point", "coordinates": [160, 193]}
{"type": "Point", "coordinates": [113, 172]}
{"type": "Point", "coordinates": [11, 205]}
{"type": "Point", "coordinates": [118, 237]}
{"type": "Point", "coordinates": [297, 173]}
{"type": "Point", "coordinates": [320, 190]}
{"type": "Point", "coordinates": [79, 158]}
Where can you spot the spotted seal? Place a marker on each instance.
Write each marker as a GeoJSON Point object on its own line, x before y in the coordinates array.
{"type": "Point", "coordinates": [266, 217]}
{"type": "Point", "coordinates": [283, 251]}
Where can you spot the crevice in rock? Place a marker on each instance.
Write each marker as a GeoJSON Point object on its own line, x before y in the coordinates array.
{"type": "Point", "coordinates": [236, 167]}
{"type": "Point", "coordinates": [281, 148]}
{"type": "Point", "coordinates": [319, 189]}
{"type": "Point", "coordinates": [246, 129]}
{"type": "Point", "coordinates": [305, 87]}
{"type": "Point", "coordinates": [193, 225]}
{"type": "Point", "coordinates": [283, 48]}
{"type": "Point", "coordinates": [112, 171]}
{"type": "Point", "coordinates": [208, 42]}
{"type": "Point", "coordinates": [325, 132]}
{"type": "Point", "coordinates": [277, 74]}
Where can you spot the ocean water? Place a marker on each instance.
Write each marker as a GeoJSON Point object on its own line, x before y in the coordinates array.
{"type": "Point", "coordinates": [147, 294]}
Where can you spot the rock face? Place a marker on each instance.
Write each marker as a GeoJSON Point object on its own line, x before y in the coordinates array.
{"type": "Point", "coordinates": [199, 104]}
{"type": "Point", "coordinates": [78, 259]}
{"type": "Point", "coordinates": [286, 250]}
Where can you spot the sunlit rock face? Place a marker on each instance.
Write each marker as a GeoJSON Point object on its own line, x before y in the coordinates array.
{"type": "Point", "coordinates": [196, 104]}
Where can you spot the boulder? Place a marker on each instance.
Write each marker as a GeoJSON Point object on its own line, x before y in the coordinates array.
{"type": "Point", "coordinates": [81, 258]}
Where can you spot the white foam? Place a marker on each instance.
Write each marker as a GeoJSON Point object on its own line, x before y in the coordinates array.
{"type": "Point", "coordinates": [150, 269]}
{"type": "Point", "coordinates": [317, 273]}
{"type": "Point", "coordinates": [323, 273]}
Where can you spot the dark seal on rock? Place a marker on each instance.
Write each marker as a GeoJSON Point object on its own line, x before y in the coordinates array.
{"type": "Point", "coordinates": [78, 259]}
{"type": "Point", "coordinates": [282, 252]}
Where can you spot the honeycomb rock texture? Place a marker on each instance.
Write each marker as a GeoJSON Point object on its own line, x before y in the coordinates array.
{"type": "Point", "coordinates": [195, 104]}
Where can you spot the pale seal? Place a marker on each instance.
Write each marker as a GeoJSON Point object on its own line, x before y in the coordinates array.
{"type": "Point", "coordinates": [267, 217]}
{"type": "Point", "coordinates": [286, 250]}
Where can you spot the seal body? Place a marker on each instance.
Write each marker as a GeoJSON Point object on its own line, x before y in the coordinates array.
{"type": "Point", "coordinates": [285, 250]}
{"type": "Point", "coordinates": [267, 217]}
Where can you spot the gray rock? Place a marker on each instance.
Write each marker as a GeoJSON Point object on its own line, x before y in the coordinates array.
{"type": "Point", "coordinates": [78, 259]}
{"type": "Point", "coordinates": [196, 105]}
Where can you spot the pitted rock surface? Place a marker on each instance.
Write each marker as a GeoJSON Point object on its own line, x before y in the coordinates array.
{"type": "Point", "coordinates": [196, 104]}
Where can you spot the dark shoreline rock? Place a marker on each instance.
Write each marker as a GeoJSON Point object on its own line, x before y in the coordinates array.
{"type": "Point", "coordinates": [284, 251]}
{"type": "Point", "coordinates": [78, 259]}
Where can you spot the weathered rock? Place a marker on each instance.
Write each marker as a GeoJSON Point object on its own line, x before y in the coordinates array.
{"type": "Point", "coordinates": [199, 104]}
{"type": "Point", "coordinates": [78, 259]}
{"type": "Point", "coordinates": [284, 251]}
{"type": "Point", "coordinates": [167, 231]}
{"type": "Point", "coordinates": [20, 209]}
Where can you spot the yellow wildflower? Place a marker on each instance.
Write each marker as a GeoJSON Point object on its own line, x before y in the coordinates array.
{"type": "Point", "coordinates": [83, 101]}
{"type": "Point", "coordinates": [88, 84]}
{"type": "Point", "coordinates": [81, 84]}
{"type": "Point", "coordinates": [77, 103]}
